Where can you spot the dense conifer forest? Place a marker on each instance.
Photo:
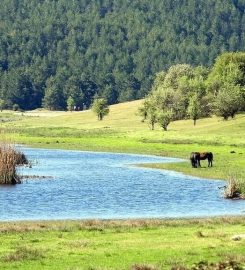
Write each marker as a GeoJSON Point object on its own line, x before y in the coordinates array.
{"type": "Point", "coordinates": [52, 51]}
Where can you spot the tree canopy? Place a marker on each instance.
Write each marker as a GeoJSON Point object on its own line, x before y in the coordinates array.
{"type": "Point", "coordinates": [184, 91]}
{"type": "Point", "coordinates": [100, 108]}
{"type": "Point", "coordinates": [52, 50]}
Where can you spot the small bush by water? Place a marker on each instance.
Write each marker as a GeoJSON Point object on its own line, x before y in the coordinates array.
{"type": "Point", "coordinates": [10, 158]}
{"type": "Point", "coordinates": [235, 188]}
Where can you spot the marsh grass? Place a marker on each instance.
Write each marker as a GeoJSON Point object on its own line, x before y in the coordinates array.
{"type": "Point", "coordinates": [23, 253]}
{"type": "Point", "coordinates": [235, 188]}
{"type": "Point", "coordinates": [101, 226]}
{"type": "Point", "coordinates": [10, 158]}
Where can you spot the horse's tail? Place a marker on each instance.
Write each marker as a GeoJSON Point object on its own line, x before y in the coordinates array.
{"type": "Point", "coordinates": [211, 156]}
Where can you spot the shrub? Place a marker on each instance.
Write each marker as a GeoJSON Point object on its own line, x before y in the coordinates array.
{"type": "Point", "coordinates": [10, 158]}
{"type": "Point", "coordinates": [16, 107]}
{"type": "Point", "coordinates": [234, 189]}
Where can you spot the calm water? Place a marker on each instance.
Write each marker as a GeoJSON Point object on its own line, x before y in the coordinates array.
{"type": "Point", "coordinates": [104, 185]}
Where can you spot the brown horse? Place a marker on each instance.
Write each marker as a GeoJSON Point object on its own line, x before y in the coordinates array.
{"type": "Point", "coordinates": [196, 157]}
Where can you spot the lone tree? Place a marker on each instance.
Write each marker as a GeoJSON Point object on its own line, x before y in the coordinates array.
{"type": "Point", "coordinates": [70, 104]}
{"type": "Point", "coordinates": [100, 107]}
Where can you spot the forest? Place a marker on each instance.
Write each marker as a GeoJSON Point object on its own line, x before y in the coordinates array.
{"type": "Point", "coordinates": [55, 51]}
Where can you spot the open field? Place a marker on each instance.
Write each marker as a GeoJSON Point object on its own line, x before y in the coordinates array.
{"type": "Point", "coordinates": [120, 244]}
{"type": "Point", "coordinates": [123, 131]}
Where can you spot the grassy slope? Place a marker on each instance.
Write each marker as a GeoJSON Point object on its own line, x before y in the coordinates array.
{"type": "Point", "coordinates": [122, 131]}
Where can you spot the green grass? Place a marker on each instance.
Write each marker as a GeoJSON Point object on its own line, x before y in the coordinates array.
{"type": "Point", "coordinates": [119, 244]}
{"type": "Point", "coordinates": [123, 131]}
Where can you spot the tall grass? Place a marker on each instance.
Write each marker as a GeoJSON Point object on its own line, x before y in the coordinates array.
{"type": "Point", "coordinates": [10, 158]}
{"type": "Point", "coordinates": [235, 188]}
{"type": "Point", "coordinates": [23, 253]}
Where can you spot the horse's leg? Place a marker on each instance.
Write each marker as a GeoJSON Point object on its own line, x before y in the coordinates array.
{"type": "Point", "coordinates": [209, 162]}
{"type": "Point", "coordinates": [193, 163]}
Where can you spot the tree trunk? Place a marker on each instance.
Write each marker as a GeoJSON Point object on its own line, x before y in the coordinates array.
{"type": "Point", "coordinates": [152, 125]}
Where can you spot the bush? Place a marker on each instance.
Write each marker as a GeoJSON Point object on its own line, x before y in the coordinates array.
{"type": "Point", "coordinates": [16, 107]}
{"type": "Point", "coordinates": [234, 189]}
{"type": "Point", "coordinates": [10, 158]}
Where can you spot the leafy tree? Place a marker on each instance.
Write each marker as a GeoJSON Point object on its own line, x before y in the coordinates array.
{"type": "Point", "coordinates": [152, 117]}
{"type": "Point", "coordinates": [54, 97]}
{"type": "Point", "coordinates": [164, 119]}
{"type": "Point", "coordinates": [194, 108]}
{"type": "Point", "coordinates": [2, 104]}
{"type": "Point", "coordinates": [228, 101]}
{"type": "Point", "coordinates": [227, 82]}
{"type": "Point", "coordinates": [144, 108]}
{"type": "Point", "coordinates": [100, 108]}
{"type": "Point", "coordinates": [70, 104]}
{"type": "Point", "coordinates": [228, 68]}
{"type": "Point", "coordinates": [175, 73]}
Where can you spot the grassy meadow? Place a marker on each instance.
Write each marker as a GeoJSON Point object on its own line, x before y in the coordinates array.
{"type": "Point", "coordinates": [123, 131]}
{"type": "Point", "coordinates": [139, 244]}
{"type": "Point", "coordinates": [134, 244]}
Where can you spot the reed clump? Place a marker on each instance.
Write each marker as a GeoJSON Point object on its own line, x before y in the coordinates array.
{"type": "Point", "coordinates": [10, 158]}
{"type": "Point", "coordinates": [235, 188]}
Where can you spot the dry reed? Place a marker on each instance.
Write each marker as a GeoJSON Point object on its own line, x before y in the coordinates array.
{"type": "Point", "coordinates": [234, 188]}
{"type": "Point", "coordinates": [10, 158]}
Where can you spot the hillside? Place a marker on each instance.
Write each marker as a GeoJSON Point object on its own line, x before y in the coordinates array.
{"type": "Point", "coordinates": [123, 118]}
{"type": "Point", "coordinates": [56, 49]}
{"type": "Point", "coordinates": [123, 131]}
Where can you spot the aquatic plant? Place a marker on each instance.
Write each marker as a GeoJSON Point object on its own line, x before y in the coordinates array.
{"type": "Point", "coordinates": [10, 158]}
{"type": "Point", "coordinates": [234, 189]}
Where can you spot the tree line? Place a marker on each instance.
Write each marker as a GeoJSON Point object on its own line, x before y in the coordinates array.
{"type": "Point", "coordinates": [61, 54]}
{"type": "Point", "coordinates": [184, 91]}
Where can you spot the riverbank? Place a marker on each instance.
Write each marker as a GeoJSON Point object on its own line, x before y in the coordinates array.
{"type": "Point", "coordinates": [120, 244]}
{"type": "Point", "coordinates": [123, 131]}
